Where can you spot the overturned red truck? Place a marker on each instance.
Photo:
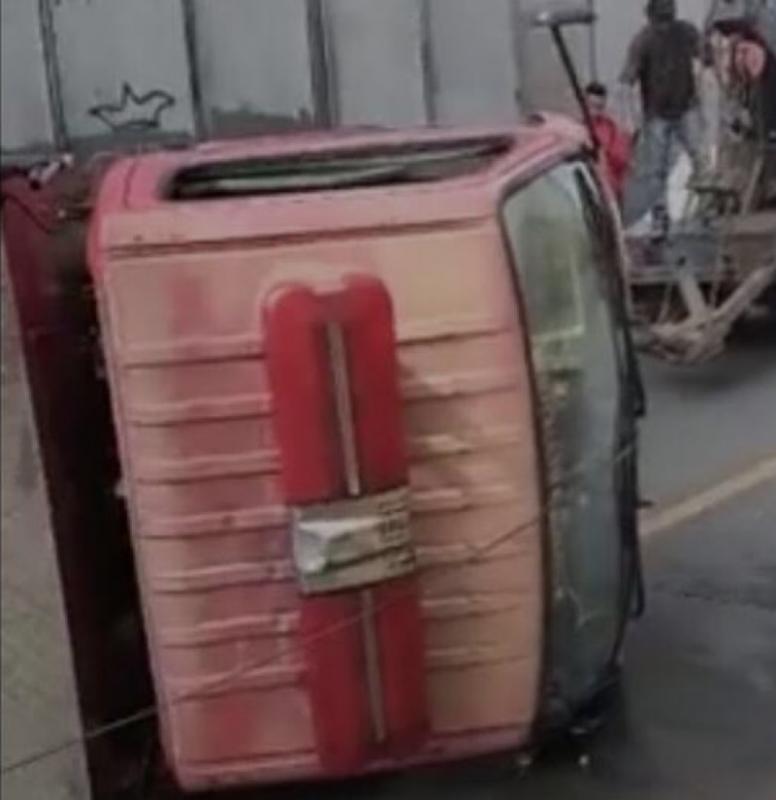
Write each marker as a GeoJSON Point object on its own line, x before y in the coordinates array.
{"type": "Point", "coordinates": [354, 416]}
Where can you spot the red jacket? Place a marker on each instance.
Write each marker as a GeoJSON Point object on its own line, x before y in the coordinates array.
{"type": "Point", "coordinates": [616, 150]}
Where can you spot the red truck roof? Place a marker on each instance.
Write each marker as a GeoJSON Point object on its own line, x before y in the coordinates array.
{"type": "Point", "coordinates": [280, 186]}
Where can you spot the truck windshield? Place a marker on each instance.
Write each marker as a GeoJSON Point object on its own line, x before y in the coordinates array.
{"type": "Point", "coordinates": [574, 347]}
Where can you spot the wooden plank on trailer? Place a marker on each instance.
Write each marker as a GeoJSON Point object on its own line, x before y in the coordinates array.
{"type": "Point", "coordinates": [760, 224]}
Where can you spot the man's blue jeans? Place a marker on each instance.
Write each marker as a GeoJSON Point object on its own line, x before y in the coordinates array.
{"type": "Point", "coordinates": [647, 186]}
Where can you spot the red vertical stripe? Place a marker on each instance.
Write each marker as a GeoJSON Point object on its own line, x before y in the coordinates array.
{"type": "Point", "coordinates": [311, 470]}
{"type": "Point", "coordinates": [304, 419]}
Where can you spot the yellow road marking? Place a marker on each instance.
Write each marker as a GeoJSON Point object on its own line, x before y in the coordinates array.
{"type": "Point", "coordinates": [662, 520]}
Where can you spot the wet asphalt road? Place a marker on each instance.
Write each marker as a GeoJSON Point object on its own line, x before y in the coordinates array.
{"type": "Point", "coordinates": [697, 715]}
{"type": "Point", "coordinates": [710, 422]}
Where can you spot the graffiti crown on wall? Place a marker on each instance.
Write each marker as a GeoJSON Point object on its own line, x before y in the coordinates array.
{"type": "Point", "coordinates": [133, 111]}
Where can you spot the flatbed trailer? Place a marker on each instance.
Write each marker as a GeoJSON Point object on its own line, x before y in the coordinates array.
{"type": "Point", "coordinates": [718, 265]}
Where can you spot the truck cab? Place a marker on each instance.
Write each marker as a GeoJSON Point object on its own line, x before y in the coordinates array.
{"type": "Point", "coordinates": [375, 405]}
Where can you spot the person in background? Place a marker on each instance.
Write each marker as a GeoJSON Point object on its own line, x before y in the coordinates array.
{"type": "Point", "coordinates": [615, 142]}
{"type": "Point", "coordinates": [662, 61]}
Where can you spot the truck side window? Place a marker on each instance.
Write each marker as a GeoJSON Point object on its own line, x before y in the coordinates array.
{"type": "Point", "coordinates": [567, 302]}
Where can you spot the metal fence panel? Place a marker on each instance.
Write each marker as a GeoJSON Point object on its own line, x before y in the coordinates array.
{"type": "Point", "coordinates": [473, 60]}
{"type": "Point", "coordinates": [377, 61]}
{"type": "Point", "coordinates": [24, 102]}
{"type": "Point", "coordinates": [254, 65]}
{"type": "Point", "coordinates": [123, 67]}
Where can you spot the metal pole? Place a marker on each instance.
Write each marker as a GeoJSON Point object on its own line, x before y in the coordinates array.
{"type": "Point", "coordinates": [344, 405]}
{"type": "Point", "coordinates": [568, 64]}
{"type": "Point", "coordinates": [594, 72]}
{"type": "Point", "coordinates": [430, 81]}
{"type": "Point", "coordinates": [321, 76]}
{"type": "Point", "coordinates": [53, 78]}
{"type": "Point", "coordinates": [518, 21]}
{"type": "Point", "coordinates": [195, 85]}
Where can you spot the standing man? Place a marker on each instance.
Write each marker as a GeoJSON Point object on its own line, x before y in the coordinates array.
{"type": "Point", "coordinates": [662, 61]}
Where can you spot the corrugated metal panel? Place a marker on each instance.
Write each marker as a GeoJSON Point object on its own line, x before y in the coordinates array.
{"type": "Point", "coordinates": [473, 58]}
{"type": "Point", "coordinates": [376, 50]}
{"type": "Point", "coordinates": [24, 102]}
{"type": "Point", "coordinates": [254, 65]}
{"type": "Point", "coordinates": [123, 66]}
{"type": "Point", "coordinates": [121, 70]}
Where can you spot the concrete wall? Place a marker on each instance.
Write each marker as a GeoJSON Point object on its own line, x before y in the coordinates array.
{"type": "Point", "coordinates": [39, 709]}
